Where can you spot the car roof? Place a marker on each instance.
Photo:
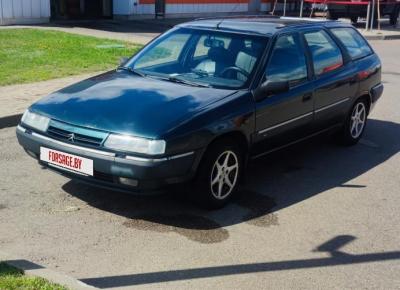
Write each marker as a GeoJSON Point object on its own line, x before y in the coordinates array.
{"type": "Point", "coordinates": [264, 25]}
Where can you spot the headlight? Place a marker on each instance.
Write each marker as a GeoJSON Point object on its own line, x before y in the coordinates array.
{"type": "Point", "coordinates": [35, 121]}
{"type": "Point", "coordinates": [135, 144]}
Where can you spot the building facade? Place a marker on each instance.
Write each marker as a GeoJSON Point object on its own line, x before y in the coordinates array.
{"type": "Point", "coordinates": [170, 8]}
{"type": "Point", "coordinates": [40, 11]}
{"type": "Point", "coordinates": [24, 11]}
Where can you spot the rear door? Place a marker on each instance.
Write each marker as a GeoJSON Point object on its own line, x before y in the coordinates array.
{"type": "Point", "coordinates": [287, 116]}
{"type": "Point", "coordinates": [335, 79]}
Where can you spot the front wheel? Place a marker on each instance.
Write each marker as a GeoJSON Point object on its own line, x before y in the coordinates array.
{"type": "Point", "coordinates": [219, 174]}
{"type": "Point", "coordinates": [356, 121]}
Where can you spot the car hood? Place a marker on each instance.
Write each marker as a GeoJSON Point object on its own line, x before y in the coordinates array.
{"type": "Point", "coordinates": [121, 102]}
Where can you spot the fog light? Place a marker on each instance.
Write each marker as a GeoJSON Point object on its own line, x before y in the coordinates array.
{"type": "Point", "coordinates": [128, 181]}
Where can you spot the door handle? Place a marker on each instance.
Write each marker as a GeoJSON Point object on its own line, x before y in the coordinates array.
{"type": "Point", "coordinates": [307, 97]}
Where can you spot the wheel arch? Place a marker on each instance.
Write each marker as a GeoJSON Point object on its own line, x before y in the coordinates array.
{"type": "Point", "coordinates": [236, 136]}
{"type": "Point", "coordinates": [367, 97]}
{"type": "Point", "coordinates": [233, 136]}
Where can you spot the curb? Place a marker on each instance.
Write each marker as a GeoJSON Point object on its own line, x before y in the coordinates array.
{"type": "Point", "coordinates": [382, 37]}
{"type": "Point", "coordinates": [32, 269]}
{"type": "Point", "coordinates": [10, 121]}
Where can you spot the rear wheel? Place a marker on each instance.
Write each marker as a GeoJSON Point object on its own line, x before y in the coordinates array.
{"type": "Point", "coordinates": [356, 121]}
{"type": "Point", "coordinates": [331, 16]}
{"type": "Point", "coordinates": [219, 173]}
{"type": "Point", "coordinates": [394, 16]}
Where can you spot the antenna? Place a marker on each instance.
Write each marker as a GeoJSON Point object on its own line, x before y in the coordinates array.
{"type": "Point", "coordinates": [224, 17]}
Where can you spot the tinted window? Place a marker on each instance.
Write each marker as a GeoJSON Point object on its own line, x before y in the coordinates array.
{"type": "Point", "coordinates": [288, 62]}
{"type": "Point", "coordinates": [354, 42]}
{"type": "Point", "coordinates": [325, 53]}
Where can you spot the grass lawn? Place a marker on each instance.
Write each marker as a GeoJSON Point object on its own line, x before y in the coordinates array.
{"type": "Point", "coordinates": [14, 279]}
{"type": "Point", "coordinates": [30, 55]}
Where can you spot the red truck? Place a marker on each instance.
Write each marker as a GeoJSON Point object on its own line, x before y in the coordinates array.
{"type": "Point", "coordinates": [353, 9]}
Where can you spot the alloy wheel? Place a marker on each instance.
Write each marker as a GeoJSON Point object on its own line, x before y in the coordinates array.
{"type": "Point", "coordinates": [358, 118]}
{"type": "Point", "coordinates": [224, 174]}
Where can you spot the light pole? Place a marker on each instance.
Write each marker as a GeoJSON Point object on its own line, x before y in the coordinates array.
{"type": "Point", "coordinates": [372, 14]}
{"type": "Point", "coordinates": [301, 8]}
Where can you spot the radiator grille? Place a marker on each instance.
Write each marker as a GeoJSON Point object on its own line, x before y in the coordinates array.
{"type": "Point", "coordinates": [72, 137]}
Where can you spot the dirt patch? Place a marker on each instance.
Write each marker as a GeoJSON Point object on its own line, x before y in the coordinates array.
{"type": "Point", "coordinates": [195, 228]}
{"type": "Point", "coordinates": [2, 206]}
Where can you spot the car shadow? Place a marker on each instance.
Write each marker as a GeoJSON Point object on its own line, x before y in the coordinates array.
{"type": "Point", "coordinates": [274, 182]}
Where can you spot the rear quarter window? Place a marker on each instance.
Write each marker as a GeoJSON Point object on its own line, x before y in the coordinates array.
{"type": "Point", "coordinates": [326, 55]}
{"type": "Point", "coordinates": [355, 44]}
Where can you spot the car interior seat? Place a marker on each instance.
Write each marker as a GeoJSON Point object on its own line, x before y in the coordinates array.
{"type": "Point", "coordinates": [217, 59]}
{"type": "Point", "coordinates": [246, 59]}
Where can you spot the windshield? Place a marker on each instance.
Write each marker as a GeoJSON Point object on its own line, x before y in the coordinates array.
{"type": "Point", "coordinates": [201, 58]}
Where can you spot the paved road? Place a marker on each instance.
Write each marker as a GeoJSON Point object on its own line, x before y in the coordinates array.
{"type": "Point", "coordinates": [315, 216]}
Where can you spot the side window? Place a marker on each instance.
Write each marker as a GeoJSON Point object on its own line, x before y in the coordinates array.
{"type": "Point", "coordinates": [325, 53]}
{"type": "Point", "coordinates": [287, 62]}
{"type": "Point", "coordinates": [164, 52]}
{"type": "Point", "coordinates": [355, 44]}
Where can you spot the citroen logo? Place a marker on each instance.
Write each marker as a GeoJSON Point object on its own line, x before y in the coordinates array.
{"type": "Point", "coordinates": [71, 137]}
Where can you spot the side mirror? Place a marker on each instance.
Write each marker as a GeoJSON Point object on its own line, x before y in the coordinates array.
{"type": "Point", "coordinates": [269, 88]}
{"type": "Point", "coordinates": [123, 60]}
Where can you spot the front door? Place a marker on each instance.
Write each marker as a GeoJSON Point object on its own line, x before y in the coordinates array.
{"type": "Point", "coordinates": [287, 116]}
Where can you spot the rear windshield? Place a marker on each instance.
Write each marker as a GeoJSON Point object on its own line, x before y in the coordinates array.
{"type": "Point", "coordinates": [355, 44]}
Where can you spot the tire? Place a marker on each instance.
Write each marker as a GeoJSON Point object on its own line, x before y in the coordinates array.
{"type": "Point", "coordinates": [331, 16]}
{"type": "Point", "coordinates": [355, 123]}
{"type": "Point", "coordinates": [376, 21]}
{"type": "Point", "coordinates": [354, 20]}
{"type": "Point", "coordinates": [394, 16]}
{"type": "Point", "coordinates": [393, 21]}
{"type": "Point", "coordinates": [211, 184]}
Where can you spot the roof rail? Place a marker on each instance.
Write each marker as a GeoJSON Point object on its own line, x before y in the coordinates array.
{"type": "Point", "coordinates": [238, 16]}
{"type": "Point", "coordinates": [306, 19]}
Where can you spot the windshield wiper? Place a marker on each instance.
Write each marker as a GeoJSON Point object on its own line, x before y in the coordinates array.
{"type": "Point", "coordinates": [132, 70]}
{"type": "Point", "coordinates": [186, 82]}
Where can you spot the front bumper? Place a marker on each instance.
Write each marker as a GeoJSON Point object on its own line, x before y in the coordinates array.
{"type": "Point", "coordinates": [109, 169]}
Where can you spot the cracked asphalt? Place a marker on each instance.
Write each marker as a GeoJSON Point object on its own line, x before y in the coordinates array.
{"type": "Point", "coordinates": [314, 216]}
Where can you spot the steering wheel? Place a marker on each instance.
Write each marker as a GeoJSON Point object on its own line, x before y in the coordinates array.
{"type": "Point", "coordinates": [235, 69]}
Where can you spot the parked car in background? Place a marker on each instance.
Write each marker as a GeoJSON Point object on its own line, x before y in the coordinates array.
{"type": "Point", "coordinates": [354, 9]}
{"type": "Point", "coordinates": [202, 100]}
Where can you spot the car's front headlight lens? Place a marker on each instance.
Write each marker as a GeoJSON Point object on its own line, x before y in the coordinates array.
{"type": "Point", "coordinates": [35, 121]}
{"type": "Point", "coordinates": [135, 144]}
